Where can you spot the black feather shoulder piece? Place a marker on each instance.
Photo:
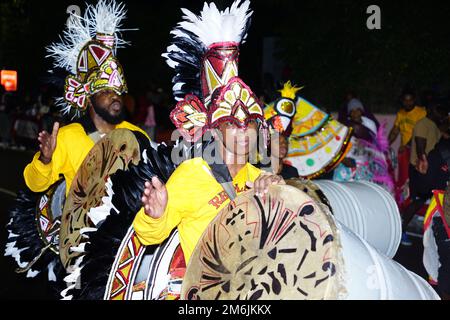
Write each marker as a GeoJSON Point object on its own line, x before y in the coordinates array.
{"type": "Point", "coordinates": [104, 243]}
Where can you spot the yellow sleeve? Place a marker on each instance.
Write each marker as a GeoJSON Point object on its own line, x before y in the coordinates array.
{"type": "Point", "coordinates": [39, 176]}
{"type": "Point", "coordinates": [154, 231]}
{"type": "Point", "coordinates": [398, 118]}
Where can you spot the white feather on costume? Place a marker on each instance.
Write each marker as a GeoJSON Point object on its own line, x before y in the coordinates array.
{"type": "Point", "coordinates": [66, 52]}
{"type": "Point", "coordinates": [213, 26]}
{"type": "Point", "coordinates": [100, 213]}
{"type": "Point", "coordinates": [217, 26]}
{"type": "Point", "coordinates": [192, 37]}
{"type": "Point", "coordinates": [105, 17]}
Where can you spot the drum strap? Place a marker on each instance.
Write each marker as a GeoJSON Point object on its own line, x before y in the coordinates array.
{"type": "Point", "coordinates": [223, 176]}
{"type": "Point", "coordinates": [95, 136]}
{"type": "Point", "coordinates": [221, 173]}
{"type": "Point", "coordinates": [89, 127]}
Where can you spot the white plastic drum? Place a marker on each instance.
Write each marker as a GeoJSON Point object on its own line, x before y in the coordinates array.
{"type": "Point", "coordinates": [370, 275]}
{"type": "Point", "coordinates": [368, 210]}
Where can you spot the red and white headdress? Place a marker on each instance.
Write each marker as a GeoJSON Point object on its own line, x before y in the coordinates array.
{"type": "Point", "coordinates": [205, 55]}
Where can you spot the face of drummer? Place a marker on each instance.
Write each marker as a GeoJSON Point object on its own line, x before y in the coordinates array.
{"type": "Point", "coordinates": [279, 146]}
{"type": "Point", "coordinates": [237, 140]}
{"type": "Point", "coordinates": [109, 106]}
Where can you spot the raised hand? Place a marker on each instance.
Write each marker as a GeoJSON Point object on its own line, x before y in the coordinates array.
{"type": "Point", "coordinates": [262, 183]}
{"type": "Point", "coordinates": [47, 144]}
{"type": "Point", "coordinates": [154, 199]}
{"type": "Point", "coordinates": [422, 165]}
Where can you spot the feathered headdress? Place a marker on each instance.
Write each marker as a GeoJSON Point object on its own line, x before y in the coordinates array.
{"type": "Point", "coordinates": [204, 54]}
{"type": "Point", "coordinates": [87, 50]}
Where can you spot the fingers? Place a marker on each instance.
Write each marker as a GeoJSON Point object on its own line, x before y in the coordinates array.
{"type": "Point", "coordinates": [55, 130]}
{"type": "Point", "coordinates": [148, 190]}
{"type": "Point", "coordinates": [157, 184]}
{"type": "Point", "coordinates": [43, 135]}
{"type": "Point", "coordinates": [147, 197]}
{"type": "Point", "coordinates": [262, 183]}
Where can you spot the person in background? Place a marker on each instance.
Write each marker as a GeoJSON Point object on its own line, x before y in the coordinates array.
{"type": "Point", "coordinates": [405, 121]}
{"type": "Point", "coordinates": [436, 238]}
{"type": "Point", "coordinates": [279, 152]}
{"type": "Point", "coordinates": [367, 158]}
{"type": "Point", "coordinates": [352, 99]}
{"type": "Point", "coordinates": [426, 134]}
{"type": "Point", "coordinates": [98, 111]}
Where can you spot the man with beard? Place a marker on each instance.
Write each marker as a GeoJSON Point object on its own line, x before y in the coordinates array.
{"type": "Point", "coordinates": [63, 150]}
{"type": "Point", "coordinates": [93, 90]}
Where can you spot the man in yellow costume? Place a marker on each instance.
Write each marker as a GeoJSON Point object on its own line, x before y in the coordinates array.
{"type": "Point", "coordinates": [93, 91]}
{"type": "Point", "coordinates": [93, 97]}
{"type": "Point", "coordinates": [223, 110]}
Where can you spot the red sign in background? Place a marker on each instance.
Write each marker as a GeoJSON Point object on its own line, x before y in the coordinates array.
{"type": "Point", "coordinates": [9, 79]}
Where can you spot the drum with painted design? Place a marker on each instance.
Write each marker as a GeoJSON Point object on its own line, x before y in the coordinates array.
{"type": "Point", "coordinates": [48, 215]}
{"type": "Point", "coordinates": [116, 151]}
{"type": "Point", "coordinates": [288, 246]}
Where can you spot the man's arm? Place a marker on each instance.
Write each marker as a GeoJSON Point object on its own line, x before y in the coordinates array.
{"type": "Point", "coordinates": [43, 170]}
{"type": "Point", "coordinates": [393, 134]}
{"type": "Point", "coordinates": [421, 144]}
{"type": "Point", "coordinates": [157, 218]}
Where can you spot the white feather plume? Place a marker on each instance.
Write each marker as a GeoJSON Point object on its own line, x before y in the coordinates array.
{"type": "Point", "coordinates": [105, 17]}
{"type": "Point", "coordinates": [213, 26]}
{"type": "Point", "coordinates": [75, 36]}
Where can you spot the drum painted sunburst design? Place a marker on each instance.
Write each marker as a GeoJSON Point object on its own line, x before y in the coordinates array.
{"type": "Point", "coordinates": [113, 152]}
{"type": "Point", "coordinates": [282, 246]}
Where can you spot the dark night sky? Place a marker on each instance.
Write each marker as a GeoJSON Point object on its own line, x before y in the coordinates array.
{"type": "Point", "coordinates": [325, 43]}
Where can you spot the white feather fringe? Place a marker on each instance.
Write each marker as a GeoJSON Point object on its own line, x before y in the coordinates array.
{"type": "Point", "coordinates": [216, 26]}
{"type": "Point", "coordinates": [213, 26]}
{"type": "Point", "coordinates": [99, 214]}
{"type": "Point", "coordinates": [105, 17]}
{"type": "Point", "coordinates": [75, 36]}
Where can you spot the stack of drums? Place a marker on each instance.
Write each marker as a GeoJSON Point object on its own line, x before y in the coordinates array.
{"type": "Point", "coordinates": [368, 210]}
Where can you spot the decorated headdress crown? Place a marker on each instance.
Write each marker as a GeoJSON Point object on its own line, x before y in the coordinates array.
{"type": "Point", "coordinates": [280, 113]}
{"type": "Point", "coordinates": [87, 50]}
{"type": "Point", "coordinates": [205, 54]}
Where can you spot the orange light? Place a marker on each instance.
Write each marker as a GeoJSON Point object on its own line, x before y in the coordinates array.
{"type": "Point", "coordinates": [9, 80]}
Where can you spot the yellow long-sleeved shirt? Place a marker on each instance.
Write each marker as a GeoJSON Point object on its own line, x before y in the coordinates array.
{"type": "Point", "coordinates": [194, 199]}
{"type": "Point", "coordinates": [72, 146]}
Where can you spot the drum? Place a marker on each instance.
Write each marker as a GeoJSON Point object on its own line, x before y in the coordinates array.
{"type": "Point", "coordinates": [283, 246]}
{"type": "Point", "coordinates": [33, 230]}
{"type": "Point", "coordinates": [48, 215]}
{"type": "Point", "coordinates": [110, 262]}
{"type": "Point", "coordinates": [116, 151]}
{"type": "Point", "coordinates": [311, 189]}
{"type": "Point", "coordinates": [146, 273]}
{"type": "Point", "coordinates": [368, 210]}
{"type": "Point", "coordinates": [286, 246]}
